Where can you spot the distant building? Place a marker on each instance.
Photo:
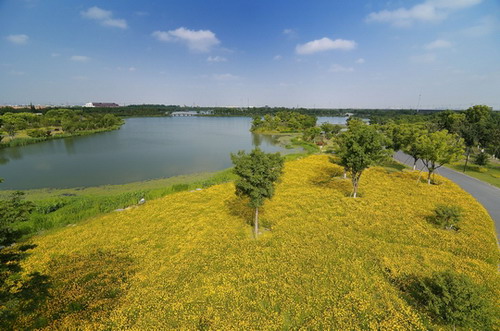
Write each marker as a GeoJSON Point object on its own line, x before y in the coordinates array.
{"type": "Point", "coordinates": [101, 104]}
{"type": "Point", "coordinates": [184, 113]}
{"type": "Point", "coordinates": [191, 113]}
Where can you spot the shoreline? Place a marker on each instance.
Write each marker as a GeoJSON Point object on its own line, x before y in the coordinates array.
{"type": "Point", "coordinates": [24, 141]}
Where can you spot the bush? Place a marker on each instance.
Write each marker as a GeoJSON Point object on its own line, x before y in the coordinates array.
{"type": "Point", "coordinates": [454, 299]}
{"type": "Point", "coordinates": [482, 159]}
{"type": "Point", "coordinates": [447, 217]}
{"type": "Point", "coordinates": [50, 206]}
{"type": "Point", "coordinates": [37, 133]}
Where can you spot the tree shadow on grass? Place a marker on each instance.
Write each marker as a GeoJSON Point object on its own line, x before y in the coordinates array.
{"type": "Point", "coordinates": [20, 294]}
{"type": "Point", "coordinates": [239, 208]}
{"type": "Point", "coordinates": [84, 288]}
{"type": "Point", "coordinates": [332, 178]}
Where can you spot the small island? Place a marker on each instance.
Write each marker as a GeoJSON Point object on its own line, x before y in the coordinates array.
{"type": "Point", "coordinates": [18, 129]}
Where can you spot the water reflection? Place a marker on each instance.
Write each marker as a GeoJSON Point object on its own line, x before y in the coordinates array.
{"type": "Point", "coordinates": [256, 139]}
{"type": "Point", "coordinates": [10, 153]}
{"type": "Point", "coordinates": [69, 144]}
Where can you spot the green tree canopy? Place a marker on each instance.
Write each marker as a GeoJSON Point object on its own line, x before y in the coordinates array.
{"type": "Point", "coordinates": [450, 120]}
{"type": "Point", "coordinates": [360, 147]}
{"type": "Point", "coordinates": [12, 211]}
{"type": "Point", "coordinates": [475, 129]}
{"type": "Point", "coordinates": [438, 148]}
{"type": "Point", "coordinates": [257, 174]}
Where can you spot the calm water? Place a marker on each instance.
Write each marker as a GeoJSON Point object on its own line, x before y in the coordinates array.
{"type": "Point", "coordinates": [144, 148]}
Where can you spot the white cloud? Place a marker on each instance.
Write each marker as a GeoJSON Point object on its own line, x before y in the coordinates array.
{"type": "Point", "coordinates": [55, 54]}
{"type": "Point", "coordinates": [360, 60]}
{"type": "Point", "coordinates": [290, 33]}
{"type": "Point", "coordinates": [196, 40]}
{"type": "Point", "coordinates": [115, 22]}
{"type": "Point", "coordinates": [439, 43]}
{"type": "Point", "coordinates": [339, 68]}
{"type": "Point", "coordinates": [225, 77]}
{"type": "Point", "coordinates": [80, 58]}
{"type": "Point", "coordinates": [162, 35]}
{"type": "Point", "coordinates": [132, 69]}
{"type": "Point", "coordinates": [96, 13]}
{"type": "Point", "coordinates": [19, 39]}
{"type": "Point", "coordinates": [423, 58]}
{"type": "Point", "coordinates": [216, 59]}
{"type": "Point", "coordinates": [105, 17]}
{"type": "Point", "coordinates": [427, 11]}
{"type": "Point", "coordinates": [17, 73]}
{"type": "Point", "coordinates": [486, 26]}
{"type": "Point", "coordinates": [277, 57]}
{"type": "Point", "coordinates": [325, 44]}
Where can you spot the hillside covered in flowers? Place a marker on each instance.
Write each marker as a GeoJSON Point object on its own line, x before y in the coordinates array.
{"type": "Point", "coordinates": [324, 260]}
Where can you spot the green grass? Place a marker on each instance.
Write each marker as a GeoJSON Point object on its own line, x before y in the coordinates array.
{"type": "Point", "coordinates": [60, 207]}
{"type": "Point", "coordinates": [491, 176]}
{"type": "Point", "coordinates": [324, 262]}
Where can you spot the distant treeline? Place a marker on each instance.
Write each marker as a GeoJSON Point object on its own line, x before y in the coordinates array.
{"type": "Point", "coordinates": [283, 121]}
{"type": "Point", "coordinates": [379, 116]}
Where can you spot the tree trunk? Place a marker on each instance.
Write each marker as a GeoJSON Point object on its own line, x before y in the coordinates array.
{"type": "Point", "coordinates": [256, 223]}
{"type": "Point", "coordinates": [467, 158]}
{"type": "Point", "coordinates": [355, 186]}
{"type": "Point", "coordinates": [344, 176]}
{"type": "Point", "coordinates": [415, 163]}
{"type": "Point", "coordinates": [429, 177]}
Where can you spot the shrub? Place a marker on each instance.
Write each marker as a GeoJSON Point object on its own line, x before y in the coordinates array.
{"type": "Point", "coordinates": [50, 206]}
{"type": "Point", "coordinates": [482, 170]}
{"type": "Point", "coordinates": [179, 187]}
{"type": "Point", "coordinates": [447, 217]}
{"type": "Point", "coordinates": [454, 299]}
{"type": "Point", "coordinates": [482, 159]}
{"type": "Point", "coordinates": [38, 133]}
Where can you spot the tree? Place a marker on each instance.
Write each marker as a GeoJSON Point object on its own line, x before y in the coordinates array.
{"type": "Point", "coordinates": [494, 143]}
{"type": "Point", "coordinates": [454, 299]}
{"type": "Point", "coordinates": [311, 134]}
{"type": "Point", "coordinates": [330, 129]}
{"type": "Point", "coordinates": [257, 172]}
{"type": "Point", "coordinates": [450, 121]}
{"type": "Point", "coordinates": [474, 129]}
{"type": "Point", "coordinates": [438, 148]}
{"type": "Point", "coordinates": [12, 211]}
{"type": "Point", "coordinates": [360, 147]}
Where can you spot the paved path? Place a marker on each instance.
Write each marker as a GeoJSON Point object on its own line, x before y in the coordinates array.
{"type": "Point", "coordinates": [488, 195]}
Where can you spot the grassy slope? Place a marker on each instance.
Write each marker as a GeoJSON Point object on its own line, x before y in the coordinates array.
{"type": "Point", "coordinates": [188, 260]}
{"type": "Point", "coordinates": [492, 174]}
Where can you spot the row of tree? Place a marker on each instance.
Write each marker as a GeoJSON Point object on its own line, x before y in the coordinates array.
{"type": "Point", "coordinates": [285, 121]}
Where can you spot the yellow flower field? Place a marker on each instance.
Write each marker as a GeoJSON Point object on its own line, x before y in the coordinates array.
{"type": "Point", "coordinates": [323, 261]}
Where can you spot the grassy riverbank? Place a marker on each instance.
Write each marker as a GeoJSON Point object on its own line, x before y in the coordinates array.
{"type": "Point", "coordinates": [60, 207]}
{"type": "Point", "coordinates": [325, 261]}
{"type": "Point", "coordinates": [489, 173]}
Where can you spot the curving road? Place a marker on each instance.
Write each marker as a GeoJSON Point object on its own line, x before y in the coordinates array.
{"type": "Point", "coordinates": [488, 195]}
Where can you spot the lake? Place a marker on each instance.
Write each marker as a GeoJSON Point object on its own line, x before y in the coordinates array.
{"type": "Point", "coordinates": [144, 148]}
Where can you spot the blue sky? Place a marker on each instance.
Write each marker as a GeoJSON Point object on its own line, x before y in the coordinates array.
{"type": "Point", "coordinates": [238, 53]}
